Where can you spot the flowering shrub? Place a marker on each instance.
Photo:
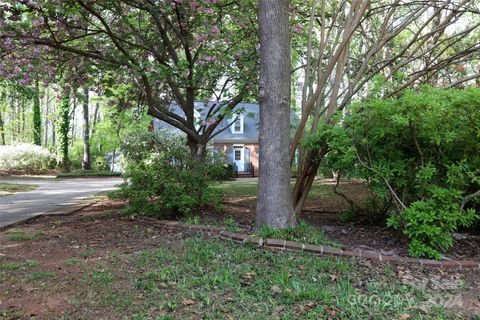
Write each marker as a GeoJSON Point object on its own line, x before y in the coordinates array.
{"type": "Point", "coordinates": [25, 157]}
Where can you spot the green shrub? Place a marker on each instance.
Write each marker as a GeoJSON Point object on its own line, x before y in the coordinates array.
{"type": "Point", "coordinates": [422, 151]}
{"type": "Point", "coordinates": [162, 177]}
{"type": "Point", "coordinates": [100, 164]}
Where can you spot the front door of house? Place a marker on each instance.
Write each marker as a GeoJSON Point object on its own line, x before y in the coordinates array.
{"type": "Point", "coordinates": [238, 158]}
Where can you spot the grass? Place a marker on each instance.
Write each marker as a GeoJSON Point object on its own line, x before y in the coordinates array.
{"type": "Point", "coordinates": [303, 232]}
{"type": "Point", "coordinates": [249, 188]}
{"type": "Point", "coordinates": [222, 281]}
{"type": "Point", "coordinates": [11, 188]}
{"type": "Point", "coordinates": [18, 235]}
{"type": "Point", "coordinates": [88, 173]}
{"type": "Point", "coordinates": [40, 275]}
{"type": "Point", "coordinates": [213, 279]}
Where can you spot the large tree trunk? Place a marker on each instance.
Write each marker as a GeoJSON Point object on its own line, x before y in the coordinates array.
{"type": "Point", "coordinates": [274, 206]}
{"type": "Point", "coordinates": [86, 133]}
{"type": "Point", "coordinates": [198, 149]}
{"type": "Point", "coordinates": [47, 102]}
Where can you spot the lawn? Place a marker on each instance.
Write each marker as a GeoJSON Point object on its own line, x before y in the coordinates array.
{"type": "Point", "coordinates": [320, 188]}
{"type": "Point", "coordinates": [96, 264]}
{"type": "Point", "coordinates": [11, 188]}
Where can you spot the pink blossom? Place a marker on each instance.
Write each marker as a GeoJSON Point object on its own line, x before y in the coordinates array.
{"type": "Point", "coordinates": [298, 28]}
{"type": "Point", "coordinates": [215, 30]}
{"type": "Point", "coordinates": [210, 11]}
{"type": "Point", "coordinates": [124, 67]}
{"type": "Point", "coordinates": [238, 54]}
{"type": "Point", "coordinates": [37, 22]}
{"type": "Point", "coordinates": [193, 5]}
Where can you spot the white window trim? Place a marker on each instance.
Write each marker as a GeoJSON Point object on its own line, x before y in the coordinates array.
{"type": "Point", "coordinates": [240, 118]}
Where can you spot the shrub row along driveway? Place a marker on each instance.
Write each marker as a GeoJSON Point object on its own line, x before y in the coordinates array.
{"type": "Point", "coordinates": [51, 194]}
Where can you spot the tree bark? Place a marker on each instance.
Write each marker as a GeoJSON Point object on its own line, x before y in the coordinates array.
{"type": "Point", "coordinates": [86, 164]}
{"type": "Point", "coordinates": [37, 121]}
{"type": "Point", "coordinates": [2, 130]}
{"type": "Point", "coordinates": [274, 206]}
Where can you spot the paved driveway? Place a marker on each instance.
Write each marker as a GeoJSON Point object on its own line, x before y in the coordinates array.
{"type": "Point", "coordinates": [51, 194]}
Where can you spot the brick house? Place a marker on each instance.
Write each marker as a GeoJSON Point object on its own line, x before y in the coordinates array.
{"type": "Point", "coordinates": [239, 142]}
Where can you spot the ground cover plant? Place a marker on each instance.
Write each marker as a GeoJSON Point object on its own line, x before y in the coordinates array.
{"type": "Point", "coordinates": [134, 271]}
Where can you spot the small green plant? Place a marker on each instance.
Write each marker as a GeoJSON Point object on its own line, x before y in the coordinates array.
{"type": "Point", "coordinates": [19, 235]}
{"type": "Point", "coordinates": [10, 266]}
{"type": "Point", "coordinates": [192, 219]}
{"type": "Point", "coordinates": [71, 261]}
{"type": "Point", "coordinates": [303, 232]}
{"type": "Point", "coordinates": [32, 263]}
{"type": "Point", "coordinates": [39, 275]}
{"type": "Point", "coordinates": [87, 253]}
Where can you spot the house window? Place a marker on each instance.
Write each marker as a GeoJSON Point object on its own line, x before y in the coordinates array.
{"type": "Point", "coordinates": [238, 155]}
{"type": "Point", "coordinates": [237, 127]}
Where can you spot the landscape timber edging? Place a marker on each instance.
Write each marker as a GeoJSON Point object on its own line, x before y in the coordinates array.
{"type": "Point", "coordinates": [320, 250]}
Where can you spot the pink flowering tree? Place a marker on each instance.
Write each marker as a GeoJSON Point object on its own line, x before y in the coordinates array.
{"type": "Point", "coordinates": [178, 51]}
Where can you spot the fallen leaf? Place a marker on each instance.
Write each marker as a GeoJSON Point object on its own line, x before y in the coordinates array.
{"type": "Point", "coordinates": [275, 289]}
{"type": "Point", "coordinates": [188, 302]}
{"type": "Point", "coordinates": [404, 316]}
{"type": "Point", "coordinates": [331, 311]}
{"type": "Point", "coordinates": [279, 308]}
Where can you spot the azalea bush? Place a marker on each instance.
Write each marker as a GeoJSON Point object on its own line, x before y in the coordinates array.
{"type": "Point", "coordinates": [25, 157]}
{"type": "Point", "coordinates": [420, 152]}
{"type": "Point", "coordinates": [163, 179]}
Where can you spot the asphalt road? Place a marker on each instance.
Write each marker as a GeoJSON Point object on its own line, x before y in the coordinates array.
{"type": "Point", "coordinates": [50, 195]}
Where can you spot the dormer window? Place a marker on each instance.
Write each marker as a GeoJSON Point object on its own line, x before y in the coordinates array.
{"type": "Point", "coordinates": [237, 127]}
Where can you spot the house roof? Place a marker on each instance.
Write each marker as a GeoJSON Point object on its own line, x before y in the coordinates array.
{"type": "Point", "coordinates": [251, 118]}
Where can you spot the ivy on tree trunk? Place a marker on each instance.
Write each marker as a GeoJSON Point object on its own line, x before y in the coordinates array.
{"type": "Point", "coordinates": [64, 126]}
{"type": "Point", "coordinates": [37, 121]}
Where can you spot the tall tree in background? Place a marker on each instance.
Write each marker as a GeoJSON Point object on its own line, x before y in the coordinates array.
{"type": "Point", "coordinates": [86, 163]}
{"type": "Point", "coordinates": [64, 128]}
{"type": "Point", "coordinates": [274, 207]}
{"type": "Point", "coordinates": [37, 121]}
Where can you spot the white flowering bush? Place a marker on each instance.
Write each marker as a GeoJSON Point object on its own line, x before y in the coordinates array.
{"type": "Point", "coordinates": [25, 157]}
